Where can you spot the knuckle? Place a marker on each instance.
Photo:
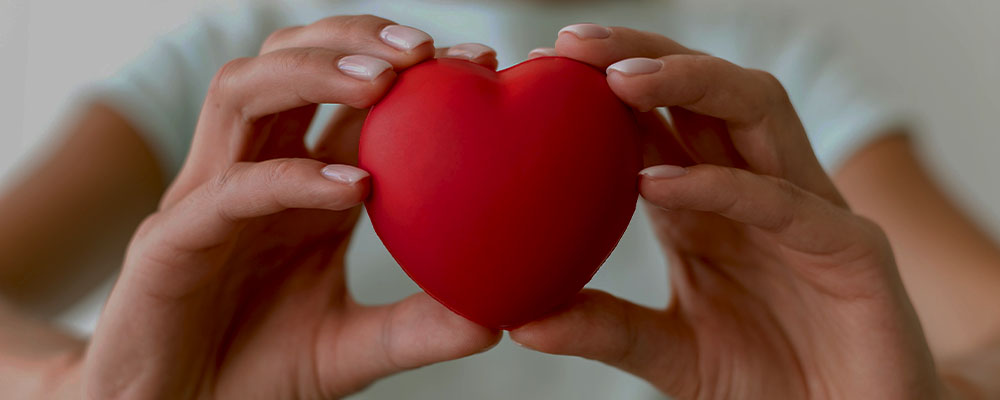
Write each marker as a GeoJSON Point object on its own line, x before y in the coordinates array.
{"type": "Point", "coordinates": [278, 36]}
{"type": "Point", "coordinates": [303, 59]}
{"type": "Point", "coordinates": [872, 232]}
{"type": "Point", "coordinates": [280, 170]}
{"type": "Point", "coordinates": [786, 187]}
{"type": "Point", "coordinates": [697, 67]}
{"type": "Point", "coordinates": [147, 226]}
{"type": "Point", "coordinates": [774, 90]}
{"type": "Point", "coordinates": [351, 23]}
{"type": "Point", "coordinates": [227, 77]}
{"type": "Point", "coordinates": [215, 192]}
{"type": "Point", "coordinates": [729, 177]}
{"type": "Point", "coordinates": [791, 196]}
{"type": "Point", "coordinates": [223, 180]}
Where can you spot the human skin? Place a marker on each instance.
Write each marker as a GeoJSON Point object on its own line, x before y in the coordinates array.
{"type": "Point", "coordinates": [104, 150]}
{"type": "Point", "coordinates": [235, 287]}
{"type": "Point", "coordinates": [779, 289]}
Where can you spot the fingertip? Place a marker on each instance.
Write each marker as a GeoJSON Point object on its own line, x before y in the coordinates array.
{"type": "Point", "coordinates": [420, 53]}
{"type": "Point", "coordinates": [371, 93]}
{"type": "Point", "coordinates": [585, 31]}
{"type": "Point", "coordinates": [342, 173]}
{"type": "Point", "coordinates": [443, 334]}
{"type": "Point", "coordinates": [542, 52]}
{"type": "Point", "coordinates": [632, 89]}
{"type": "Point", "coordinates": [353, 188]}
{"type": "Point", "coordinates": [569, 330]}
{"type": "Point", "coordinates": [589, 43]}
{"type": "Point", "coordinates": [363, 67]}
{"type": "Point", "coordinates": [658, 172]}
{"type": "Point", "coordinates": [405, 38]}
{"type": "Point", "coordinates": [475, 52]}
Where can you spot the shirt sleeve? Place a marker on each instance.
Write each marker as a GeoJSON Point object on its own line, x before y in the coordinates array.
{"type": "Point", "coordinates": [833, 92]}
{"type": "Point", "coordinates": [835, 98]}
{"type": "Point", "coordinates": [161, 92]}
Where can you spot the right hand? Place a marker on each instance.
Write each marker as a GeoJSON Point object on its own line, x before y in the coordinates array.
{"type": "Point", "coordinates": [235, 287]}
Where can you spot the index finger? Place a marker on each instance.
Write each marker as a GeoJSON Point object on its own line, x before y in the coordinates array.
{"type": "Point", "coordinates": [756, 110]}
{"type": "Point", "coordinates": [602, 46]}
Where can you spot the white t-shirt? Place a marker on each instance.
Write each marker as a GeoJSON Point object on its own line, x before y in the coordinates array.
{"type": "Point", "coordinates": [161, 93]}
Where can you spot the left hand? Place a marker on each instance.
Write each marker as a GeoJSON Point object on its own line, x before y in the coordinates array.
{"type": "Point", "coordinates": [779, 290]}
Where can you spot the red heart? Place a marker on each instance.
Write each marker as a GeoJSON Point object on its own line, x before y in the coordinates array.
{"type": "Point", "coordinates": [501, 193]}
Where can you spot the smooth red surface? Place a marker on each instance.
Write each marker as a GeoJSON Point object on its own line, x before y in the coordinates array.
{"type": "Point", "coordinates": [501, 194]}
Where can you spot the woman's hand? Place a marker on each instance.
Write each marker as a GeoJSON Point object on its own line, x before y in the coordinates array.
{"type": "Point", "coordinates": [235, 288]}
{"type": "Point", "coordinates": [779, 290]}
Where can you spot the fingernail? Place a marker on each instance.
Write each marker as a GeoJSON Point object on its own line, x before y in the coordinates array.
{"type": "Point", "coordinates": [344, 173]}
{"type": "Point", "coordinates": [587, 31]}
{"type": "Point", "coordinates": [365, 68]}
{"type": "Point", "coordinates": [403, 37]}
{"type": "Point", "coordinates": [663, 171]}
{"type": "Point", "coordinates": [469, 51]}
{"type": "Point", "coordinates": [636, 66]}
{"type": "Point", "coordinates": [542, 52]}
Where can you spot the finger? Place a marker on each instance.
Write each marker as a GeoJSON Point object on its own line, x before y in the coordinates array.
{"type": "Point", "coordinates": [207, 217]}
{"type": "Point", "coordinates": [542, 52]}
{"type": "Point", "coordinates": [752, 104]}
{"type": "Point", "coordinates": [798, 219]}
{"type": "Point", "coordinates": [339, 141]}
{"type": "Point", "coordinates": [251, 88]}
{"type": "Point", "coordinates": [704, 138]}
{"type": "Point", "coordinates": [703, 84]}
{"type": "Point", "coordinates": [177, 245]}
{"type": "Point", "coordinates": [378, 341]}
{"type": "Point", "coordinates": [400, 45]}
{"type": "Point", "coordinates": [246, 90]}
{"type": "Point", "coordinates": [601, 46]}
{"type": "Point", "coordinates": [648, 343]}
{"type": "Point", "coordinates": [476, 52]}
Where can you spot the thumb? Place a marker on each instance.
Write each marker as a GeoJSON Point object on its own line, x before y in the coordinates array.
{"type": "Point", "coordinates": [651, 344]}
{"type": "Point", "coordinates": [377, 341]}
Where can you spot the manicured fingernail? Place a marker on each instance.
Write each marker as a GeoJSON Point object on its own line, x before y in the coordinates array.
{"type": "Point", "coordinates": [587, 31]}
{"type": "Point", "coordinates": [365, 68]}
{"type": "Point", "coordinates": [542, 52]}
{"type": "Point", "coordinates": [403, 37]}
{"type": "Point", "coordinates": [344, 173]}
{"type": "Point", "coordinates": [469, 51]}
{"type": "Point", "coordinates": [663, 171]}
{"type": "Point", "coordinates": [636, 66]}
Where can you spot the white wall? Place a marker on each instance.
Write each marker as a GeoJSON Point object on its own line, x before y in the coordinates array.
{"type": "Point", "coordinates": [941, 56]}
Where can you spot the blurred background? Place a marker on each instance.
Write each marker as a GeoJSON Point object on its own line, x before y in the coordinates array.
{"type": "Point", "coordinates": [937, 58]}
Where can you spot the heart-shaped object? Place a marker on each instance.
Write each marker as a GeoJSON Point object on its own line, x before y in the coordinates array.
{"type": "Point", "coordinates": [501, 193]}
